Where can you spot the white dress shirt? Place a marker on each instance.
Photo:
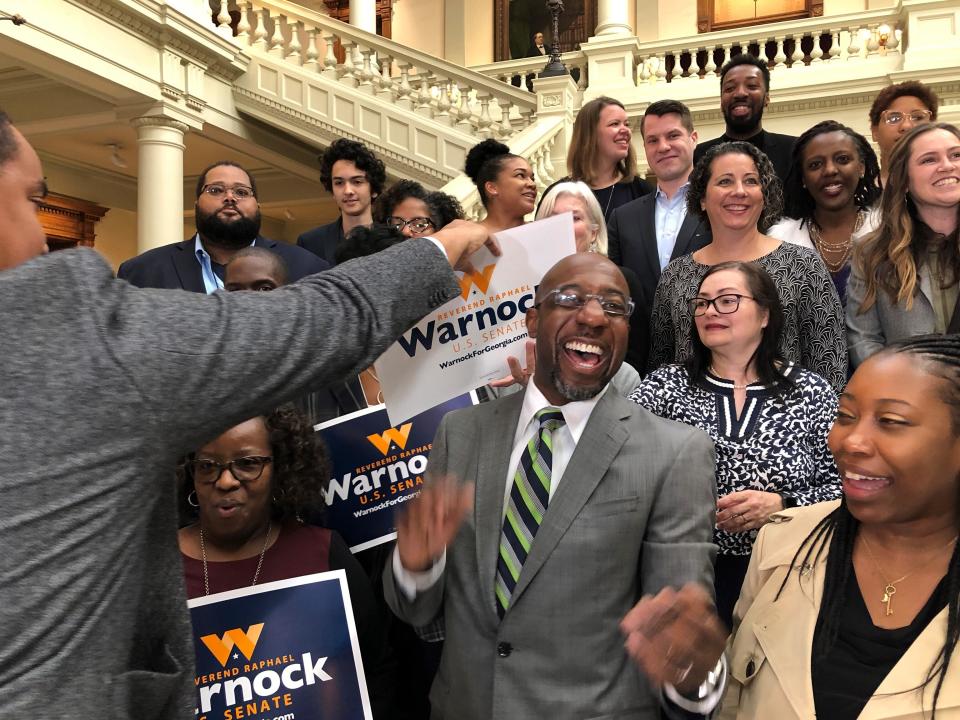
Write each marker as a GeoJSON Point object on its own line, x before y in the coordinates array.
{"type": "Point", "coordinates": [575, 414]}
{"type": "Point", "coordinates": [668, 215]}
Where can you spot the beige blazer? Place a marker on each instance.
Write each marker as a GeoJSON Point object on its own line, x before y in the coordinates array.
{"type": "Point", "coordinates": [770, 649]}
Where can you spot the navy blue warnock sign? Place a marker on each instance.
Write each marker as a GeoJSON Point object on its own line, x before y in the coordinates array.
{"type": "Point", "coordinates": [376, 468]}
{"type": "Point", "coordinates": [284, 650]}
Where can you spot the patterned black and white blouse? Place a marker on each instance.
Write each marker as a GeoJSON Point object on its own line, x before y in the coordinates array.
{"type": "Point", "coordinates": [777, 444]}
{"type": "Point", "coordinates": [814, 335]}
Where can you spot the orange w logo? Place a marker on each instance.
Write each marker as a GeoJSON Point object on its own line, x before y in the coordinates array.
{"type": "Point", "coordinates": [245, 642]}
{"type": "Point", "coordinates": [480, 279]}
{"type": "Point", "coordinates": [382, 441]}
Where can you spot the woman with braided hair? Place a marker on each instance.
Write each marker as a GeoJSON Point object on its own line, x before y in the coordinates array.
{"type": "Point", "coordinates": [905, 279]}
{"type": "Point", "coordinates": [851, 609]}
{"type": "Point", "coordinates": [829, 195]}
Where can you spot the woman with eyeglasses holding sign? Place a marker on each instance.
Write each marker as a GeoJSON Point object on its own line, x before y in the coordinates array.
{"type": "Point", "coordinates": [896, 110]}
{"type": "Point", "coordinates": [246, 492]}
{"type": "Point", "coordinates": [735, 188]}
{"type": "Point", "coordinates": [768, 418]}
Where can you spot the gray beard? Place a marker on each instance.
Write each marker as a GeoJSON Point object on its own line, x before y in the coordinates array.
{"type": "Point", "coordinates": [572, 393]}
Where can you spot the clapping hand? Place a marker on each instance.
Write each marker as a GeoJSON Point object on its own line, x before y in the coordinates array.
{"type": "Point", "coordinates": [675, 636]}
{"type": "Point", "coordinates": [430, 522]}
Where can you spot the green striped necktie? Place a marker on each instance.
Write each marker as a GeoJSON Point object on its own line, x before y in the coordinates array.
{"type": "Point", "coordinates": [527, 504]}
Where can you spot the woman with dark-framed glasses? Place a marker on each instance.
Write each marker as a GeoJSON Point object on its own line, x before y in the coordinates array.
{"type": "Point", "coordinates": [407, 207]}
{"type": "Point", "coordinates": [244, 494]}
{"type": "Point", "coordinates": [897, 109]}
{"type": "Point", "coordinates": [735, 188]}
{"type": "Point", "coordinates": [768, 417]}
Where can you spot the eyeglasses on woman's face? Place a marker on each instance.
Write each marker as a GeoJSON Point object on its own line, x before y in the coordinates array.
{"type": "Point", "coordinates": [417, 225]}
{"type": "Point", "coordinates": [724, 304]}
{"type": "Point", "coordinates": [244, 469]}
{"type": "Point", "coordinates": [895, 117]}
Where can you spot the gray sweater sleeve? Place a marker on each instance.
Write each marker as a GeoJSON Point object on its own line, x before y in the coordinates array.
{"type": "Point", "coordinates": [201, 363]}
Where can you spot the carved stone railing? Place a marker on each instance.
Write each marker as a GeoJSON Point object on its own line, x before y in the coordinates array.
{"type": "Point", "coordinates": [873, 39]}
{"type": "Point", "coordinates": [789, 47]}
{"type": "Point", "coordinates": [509, 71]}
{"type": "Point", "coordinates": [396, 74]}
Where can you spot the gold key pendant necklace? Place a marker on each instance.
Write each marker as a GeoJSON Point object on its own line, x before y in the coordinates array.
{"type": "Point", "coordinates": [890, 588]}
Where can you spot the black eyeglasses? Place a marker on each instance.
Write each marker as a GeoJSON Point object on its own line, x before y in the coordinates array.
{"type": "Point", "coordinates": [574, 299]}
{"type": "Point", "coordinates": [724, 304]}
{"type": "Point", "coordinates": [417, 224]}
{"type": "Point", "coordinates": [239, 192]}
{"type": "Point", "coordinates": [244, 469]}
{"type": "Point", "coordinates": [895, 117]}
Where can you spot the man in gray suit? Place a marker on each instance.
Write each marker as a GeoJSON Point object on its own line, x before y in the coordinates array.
{"type": "Point", "coordinates": [573, 519]}
{"type": "Point", "coordinates": [104, 386]}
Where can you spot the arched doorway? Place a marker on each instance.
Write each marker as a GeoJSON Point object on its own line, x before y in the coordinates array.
{"type": "Point", "coordinates": [516, 21]}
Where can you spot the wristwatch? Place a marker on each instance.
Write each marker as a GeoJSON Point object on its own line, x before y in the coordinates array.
{"type": "Point", "coordinates": [789, 501]}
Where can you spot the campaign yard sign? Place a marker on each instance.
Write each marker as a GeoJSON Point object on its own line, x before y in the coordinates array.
{"type": "Point", "coordinates": [286, 649]}
{"type": "Point", "coordinates": [465, 344]}
{"type": "Point", "coordinates": [376, 467]}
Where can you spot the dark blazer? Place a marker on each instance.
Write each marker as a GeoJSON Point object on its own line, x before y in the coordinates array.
{"type": "Point", "coordinates": [175, 266]}
{"type": "Point", "coordinates": [323, 241]}
{"type": "Point", "coordinates": [632, 241]}
{"type": "Point", "coordinates": [779, 148]}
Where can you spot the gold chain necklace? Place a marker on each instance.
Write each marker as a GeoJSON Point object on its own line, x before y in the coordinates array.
{"type": "Point", "coordinates": [890, 588]}
{"type": "Point", "coordinates": [203, 555]}
{"type": "Point", "coordinates": [844, 246]}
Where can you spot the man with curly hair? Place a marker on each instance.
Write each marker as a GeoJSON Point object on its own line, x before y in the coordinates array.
{"type": "Point", "coordinates": [356, 177]}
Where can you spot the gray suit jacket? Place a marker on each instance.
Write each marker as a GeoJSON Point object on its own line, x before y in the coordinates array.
{"type": "Point", "coordinates": [633, 513]}
{"type": "Point", "coordinates": [104, 386]}
{"type": "Point", "coordinates": [885, 322]}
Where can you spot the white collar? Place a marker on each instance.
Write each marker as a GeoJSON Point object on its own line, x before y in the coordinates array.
{"type": "Point", "coordinates": [681, 191]}
{"type": "Point", "coordinates": [575, 413]}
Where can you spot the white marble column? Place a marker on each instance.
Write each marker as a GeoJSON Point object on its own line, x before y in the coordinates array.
{"type": "Point", "coordinates": [613, 18]}
{"type": "Point", "coordinates": [159, 181]}
{"type": "Point", "coordinates": [363, 14]}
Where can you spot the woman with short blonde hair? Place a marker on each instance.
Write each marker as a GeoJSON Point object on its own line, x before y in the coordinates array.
{"type": "Point", "coordinates": [589, 228]}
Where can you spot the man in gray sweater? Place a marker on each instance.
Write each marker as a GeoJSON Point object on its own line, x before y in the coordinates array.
{"type": "Point", "coordinates": [104, 386]}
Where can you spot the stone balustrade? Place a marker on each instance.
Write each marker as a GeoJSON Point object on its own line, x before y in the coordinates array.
{"type": "Point", "coordinates": [789, 47]}
{"type": "Point", "coordinates": [396, 74]}
{"type": "Point", "coordinates": [509, 71]}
